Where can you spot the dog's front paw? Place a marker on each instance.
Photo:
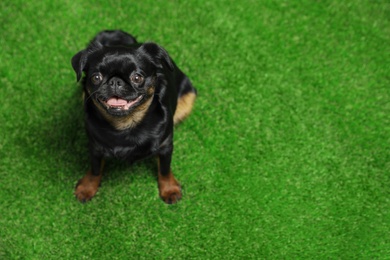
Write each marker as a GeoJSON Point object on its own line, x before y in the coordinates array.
{"type": "Point", "coordinates": [170, 191]}
{"type": "Point", "coordinates": [87, 187]}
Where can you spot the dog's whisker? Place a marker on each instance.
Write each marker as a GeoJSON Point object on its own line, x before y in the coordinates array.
{"type": "Point", "coordinates": [90, 96]}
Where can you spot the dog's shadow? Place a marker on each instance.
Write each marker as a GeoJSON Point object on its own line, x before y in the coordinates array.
{"type": "Point", "coordinates": [61, 136]}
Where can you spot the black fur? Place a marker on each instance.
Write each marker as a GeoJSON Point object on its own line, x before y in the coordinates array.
{"type": "Point", "coordinates": [116, 61]}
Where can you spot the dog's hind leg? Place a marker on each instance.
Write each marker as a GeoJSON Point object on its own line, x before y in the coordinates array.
{"type": "Point", "coordinates": [184, 106]}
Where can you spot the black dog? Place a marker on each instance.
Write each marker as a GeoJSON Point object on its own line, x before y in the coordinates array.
{"type": "Point", "coordinates": [133, 95]}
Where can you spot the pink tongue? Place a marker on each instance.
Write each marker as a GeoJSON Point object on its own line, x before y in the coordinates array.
{"type": "Point", "coordinates": [116, 102]}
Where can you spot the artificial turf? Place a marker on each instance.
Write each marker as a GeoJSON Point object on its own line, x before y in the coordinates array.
{"type": "Point", "coordinates": [286, 154]}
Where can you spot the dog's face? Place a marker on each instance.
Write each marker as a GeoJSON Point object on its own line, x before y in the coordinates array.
{"type": "Point", "coordinates": [119, 82]}
{"type": "Point", "coordinates": [120, 79]}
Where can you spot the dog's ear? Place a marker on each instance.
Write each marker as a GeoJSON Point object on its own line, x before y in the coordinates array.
{"type": "Point", "coordinates": [157, 54]}
{"type": "Point", "coordinates": [80, 59]}
{"type": "Point", "coordinates": [78, 63]}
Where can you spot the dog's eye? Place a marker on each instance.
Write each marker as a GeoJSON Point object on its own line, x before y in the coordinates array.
{"type": "Point", "coordinates": [96, 78]}
{"type": "Point", "coordinates": [136, 78]}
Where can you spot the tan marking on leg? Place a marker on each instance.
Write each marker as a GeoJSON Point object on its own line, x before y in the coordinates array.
{"type": "Point", "coordinates": [169, 188]}
{"type": "Point", "coordinates": [184, 107]}
{"type": "Point", "coordinates": [87, 186]}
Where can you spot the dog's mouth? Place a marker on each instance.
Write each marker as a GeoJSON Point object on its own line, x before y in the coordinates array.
{"type": "Point", "coordinates": [116, 103]}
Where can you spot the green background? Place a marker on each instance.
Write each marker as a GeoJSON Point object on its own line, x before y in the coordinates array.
{"type": "Point", "coordinates": [286, 155]}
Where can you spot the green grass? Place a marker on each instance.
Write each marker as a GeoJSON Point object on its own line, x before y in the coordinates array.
{"type": "Point", "coordinates": [286, 155]}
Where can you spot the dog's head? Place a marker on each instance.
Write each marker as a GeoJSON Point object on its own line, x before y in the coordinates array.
{"type": "Point", "coordinates": [120, 79]}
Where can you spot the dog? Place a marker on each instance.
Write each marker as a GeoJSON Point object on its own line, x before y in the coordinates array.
{"type": "Point", "coordinates": [133, 96]}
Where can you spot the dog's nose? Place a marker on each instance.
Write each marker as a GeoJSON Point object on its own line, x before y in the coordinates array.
{"type": "Point", "coordinates": [116, 82]}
